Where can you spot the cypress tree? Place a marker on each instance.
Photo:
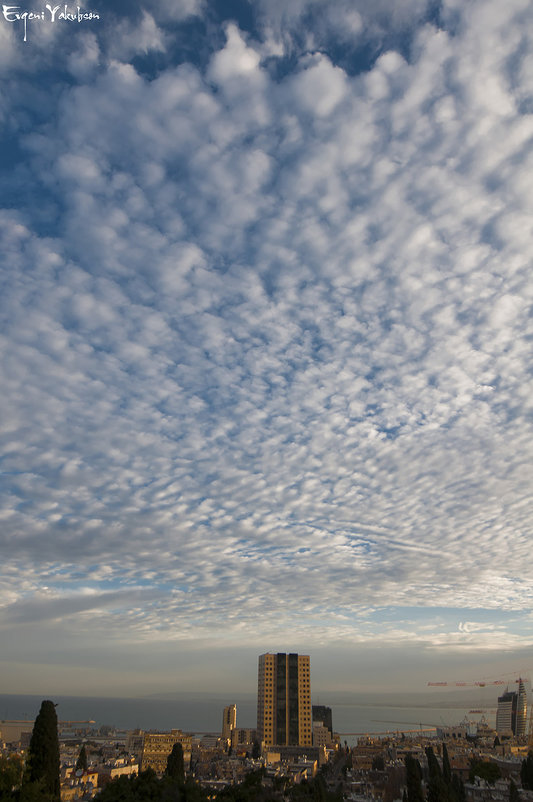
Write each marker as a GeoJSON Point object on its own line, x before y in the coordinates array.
{"type": "Point", "coordinates": [529, 771]}
{"type": "Point", "coordinates": [437, 788]}
{"type": "Point", "coordinates": [458, 788]}
{"type": "Point", "coordinates": [175, 767]}
{"type": "Point", "coordinates": [81, 762]}
{"type": "Point", "coordinates": [413, 779]}
{"type": "Point", "coordinates": [446, 768]}
{"type": "Point", "coordinates": [43, 754]}
{"type": "Point", "coordinates": [433, 763]}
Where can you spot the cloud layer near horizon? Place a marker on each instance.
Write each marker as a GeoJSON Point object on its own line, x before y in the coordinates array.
{"type": "Point", "coordinates": [266, 339]}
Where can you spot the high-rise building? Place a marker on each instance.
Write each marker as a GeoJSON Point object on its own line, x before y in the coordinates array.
{"type": "Point", "coordinates": [506, 713]}
{"type": "Point", "coordinates": [521, 709]}
{"type": "Point", "coordinates": [284, 700]}
{"type": "Point", "coordinates": [229, 721]}
{"type": "Point", "coordinates": [511, 716]}
{"type": "Point", "coordinates": [323, 714]}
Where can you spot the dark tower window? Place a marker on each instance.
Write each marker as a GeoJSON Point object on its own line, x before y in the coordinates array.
{"type": "Point", "coordinates": [281, 699]}
{"type": "Point", "coordinates": [294, 730]}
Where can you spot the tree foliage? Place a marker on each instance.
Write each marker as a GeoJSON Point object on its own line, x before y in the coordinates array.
{"type": "Point", "coordinates": [11, 768]}
{"type": "Point", "coordinates": [438, 789]}
{"type": "Point", "coordinates": [175, 766]}
{"type": "Point", "coordinates": [458, 787]}
{"type": "Point", "coordinates": [526, 773]}
{"type": "Point", "coordinates": [81, 763]}
{"type": "Point", "coordinates": [484, 769]}
{"type": "Point", "coordinates": [514, 795]}
{"type": "Point", "coordinates": [249, 790]}
{"type": "Point", "coordinates": [413, 779]}
{"type": "Point", "coordinates": [146, 787]}
{"type": "Point", "coordinates": [446, 768]}
{"type": "Point", "coordinates": [43, 754]}
{"type": "Point", "coordinates": [313, 790]}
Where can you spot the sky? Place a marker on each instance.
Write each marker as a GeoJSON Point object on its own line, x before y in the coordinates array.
{"type": "Point", "coordinates": [265, 343]}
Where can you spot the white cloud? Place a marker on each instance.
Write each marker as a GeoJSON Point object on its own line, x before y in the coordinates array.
{"type": "Point", "coordinates": [319, 87]}
{"type": "Point", "coordinates": [130, 38]}
{"type": "Point", "coordinates": [235, 60]}
{"type": "Point", "coordinates": [84, 60]}
{"type": "Point", "coordinates": [276, 354]}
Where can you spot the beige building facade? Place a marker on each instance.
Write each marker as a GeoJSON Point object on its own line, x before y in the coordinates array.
{"type": "Point", "coordinates": [229, 721]}
{"type": "Point", "coordinates": [157, 746]}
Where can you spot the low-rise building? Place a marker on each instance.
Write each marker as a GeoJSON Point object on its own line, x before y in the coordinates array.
{"type": "Point", "coordinates": [78, 785]}
{"type": "Point", "coordinates": [157, 746]}
{"type": "Point", "coordinates": [242, 737]}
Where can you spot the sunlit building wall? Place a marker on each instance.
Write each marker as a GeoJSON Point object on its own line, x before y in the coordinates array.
{"type": "Point", "coordinates": [229, 721]}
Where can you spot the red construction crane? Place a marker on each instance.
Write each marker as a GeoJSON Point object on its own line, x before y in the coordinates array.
{"type": "Point", "coordinates": [479, 683]}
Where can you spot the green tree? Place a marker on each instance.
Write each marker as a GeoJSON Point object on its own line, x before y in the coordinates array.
{"type": "Point", "coordinates": [34, 792]}
{"type": "Point", "coordinates": [413, 779]}
{"type": "Point", "coordinates": [438, 790]}
{"type": "Point", "coordinates": [11, 768]}
{"type": "Point", "coordinates": [446, 768]}
{"type": "Point", "coordinates": [81, 762]}
{"type": "Point", "coordinates": [458, 789]}
{"type": "Point", "coordinates": [144, 788]}
{"type": "Point", "coordinates": [193, 792]}
{"type": "Point", "coordinates": [256, 750]}
{"type": "Point", "coordinates": [43, 754]}
{"type": "Point", "coordinates": [484, 769]}
{"type": "Point", "coordinates": [526, 772]}
{"type": "Point", "coordinates": [175, 766]}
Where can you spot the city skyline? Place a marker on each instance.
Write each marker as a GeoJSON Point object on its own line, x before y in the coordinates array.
{"type": "Point", "coordinates": [265, 345]}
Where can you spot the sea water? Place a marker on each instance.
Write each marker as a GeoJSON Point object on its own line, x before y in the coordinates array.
{"type": "Point", "coordinates": [353, 716]}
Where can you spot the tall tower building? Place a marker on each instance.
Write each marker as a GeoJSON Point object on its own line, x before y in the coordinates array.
{"type": "Point", "coordinates": [511, 716]}
{"type": "Point", "coordinates": [229, 721]}
{"type": "Point", "coordinates": [506, 713]}
{"type": "Point", "coordinates": [284, 700]}
{"type": "Point", "coordinates": [521, 709]}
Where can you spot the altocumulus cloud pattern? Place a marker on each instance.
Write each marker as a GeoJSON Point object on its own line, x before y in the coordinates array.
{"type": "Point", "coordinates": [266, 325]}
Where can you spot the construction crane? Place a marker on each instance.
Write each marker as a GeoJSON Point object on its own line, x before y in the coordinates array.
{"type": "Point", "coordinates": [390, 732]}
{"type": "Point", "coordinates": [478, 684]}
{"type": "Point", "coordinates": [483, 684]}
